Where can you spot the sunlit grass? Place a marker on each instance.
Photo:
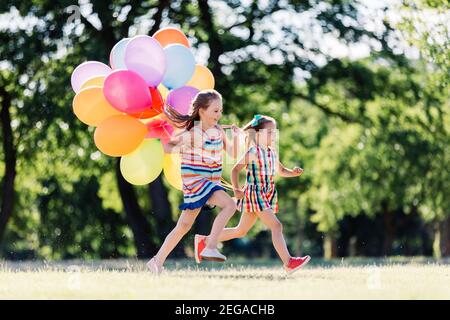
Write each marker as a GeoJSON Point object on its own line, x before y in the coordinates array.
{"type": "Point", "coordinates": [121, 279]}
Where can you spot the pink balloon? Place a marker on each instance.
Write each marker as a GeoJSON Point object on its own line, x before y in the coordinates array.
{"type": "Point", "coordinates": [159, 129]}
{"type": "Point", "coordinates": [180, 99]}
{"type": "Point", "coordinates": [145, 56]}
{"type": "Point", "coordinates": [126, 91]}
{"type": "Point", "coordinates": [87, 70]}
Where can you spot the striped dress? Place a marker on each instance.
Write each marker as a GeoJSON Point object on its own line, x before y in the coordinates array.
{"type": "Point", "coordinates": [201, 166]}
{"type": "Point", "coordinates": [260, 192]}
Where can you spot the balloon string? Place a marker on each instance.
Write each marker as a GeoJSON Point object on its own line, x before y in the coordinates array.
{"type": "Point", "coordinates": [226, 184]}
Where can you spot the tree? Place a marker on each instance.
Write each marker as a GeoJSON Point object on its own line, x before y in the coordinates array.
{"type": "Point", "coordinates": [30, 48]}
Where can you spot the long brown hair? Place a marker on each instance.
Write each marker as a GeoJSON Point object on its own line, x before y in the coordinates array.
{"type": "Point", "coordinates": [201, 101]}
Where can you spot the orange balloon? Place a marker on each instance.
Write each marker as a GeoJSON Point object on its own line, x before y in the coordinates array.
{"type": "Point", "coordinates": [166, 36]}
{"type": "Point", "coordinates": [202, 78]}
{"type": "Point", "coordinates": [94, 81]}
{"type": "Point", "coordinates": [91, 107]}
{"type": "Point", "coordinates": [119, 135]}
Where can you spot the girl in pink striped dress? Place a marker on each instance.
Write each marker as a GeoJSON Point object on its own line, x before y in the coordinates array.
{"type": "Point", "coordinates": [258, 199]}
{"type": "Point", "coordinates": [201, 145]}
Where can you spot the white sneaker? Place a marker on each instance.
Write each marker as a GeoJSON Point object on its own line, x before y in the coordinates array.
{"type": "Point", "coordinates": [212, 255]}
{"type": "Point", "coordinates": [153, 266]}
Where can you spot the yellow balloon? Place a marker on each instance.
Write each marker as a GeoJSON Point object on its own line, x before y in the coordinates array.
{"type": "Point", "coordinates": [172, 169]}
{"type": "Point", "coordinates": [94, 81]}
{"type": "Point", "coordinates": [91, 107]}
{"type": "Point", "coordinates": [202, 78]}
{"type": "Point", "coordinates": [164, 91]}
{"type": "Point", "coordinates": [143, 165]}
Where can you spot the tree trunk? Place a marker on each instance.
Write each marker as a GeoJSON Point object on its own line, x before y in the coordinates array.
{"type": "Point", "coordinates": [389, 230]}
{"type": "Point", "coordinates": [214, 42]}
{"type": "Point", "coordinates": [352, 246]}
{"type": "Point", "coordinates": [7, 194]}
{"type": "Point", "coordinates": [157, 17]}
{"type": "Point", "coordinates": [160, 207]}
{"type": "Point", "coordinates": [441, 242]}
{"type": "Point", "coordinates": [446, 238]}
{"type": "Point", "coordinates": [162, 213]}
{"type": "Point", "coordinates": [437, 253]}
{"type": "Point", "coordinates": [135, 219]}
{"type": "Point", "coordinates": [329, 246]}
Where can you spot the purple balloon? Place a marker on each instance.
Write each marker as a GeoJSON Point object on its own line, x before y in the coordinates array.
{"type": "Point", "coordinates": [87, 70]}
{"type": "Point", "coordinates": [145, 56]}
{"type": "Point", "coordinates": [180, 99]}
{"type": "Point", "coordinates": [126, 91]}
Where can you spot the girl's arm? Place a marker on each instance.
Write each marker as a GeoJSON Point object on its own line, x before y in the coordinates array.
{"type": "Point", "coordinates": [173, 146]}
{"type": "Point", "coordinates": [230, 147]}
{"type": "Point", "coordinates": [287, 173]}
{"type": "Point", "coordinates": [238, 193]}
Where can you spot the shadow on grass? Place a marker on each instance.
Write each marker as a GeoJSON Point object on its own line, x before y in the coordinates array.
{"type": "Point", "coordinates": [232, 275]}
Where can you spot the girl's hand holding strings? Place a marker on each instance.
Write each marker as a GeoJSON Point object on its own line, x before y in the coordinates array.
{"type": "Point", "coordinates": [175, 140]}
{"type": "Point", "coordinates": [238, 193]}
{"type": "Point", "coordinates": [297, 171]}
{"type": "Point", "coordinates": [172, 145]}
{"type": "Point", "coordinates": [233, 127]}
{"type": "Point", "coordinates": [236, 129]}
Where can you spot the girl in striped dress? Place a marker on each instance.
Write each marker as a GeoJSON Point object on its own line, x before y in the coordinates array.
{"type": "Point", "coordinates": [258, 199]}
{"type": "Point", "coordinates": [201, 166]}
{"type": "Point", "coordinates": [200, 145]}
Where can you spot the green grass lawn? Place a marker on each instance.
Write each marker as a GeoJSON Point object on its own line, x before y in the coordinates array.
{"type": "Point", "coordinates": [236, 279]}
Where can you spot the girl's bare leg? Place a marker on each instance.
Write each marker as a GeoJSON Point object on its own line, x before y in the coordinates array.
{"type": "Point", "coordinates": [246, 222]}
{"type": "Point", "coordinates": [270, 220]}
{"type": "Point", "coordinates": [221, 199]}
{"type": "Point", "coordinates": [184, 224]}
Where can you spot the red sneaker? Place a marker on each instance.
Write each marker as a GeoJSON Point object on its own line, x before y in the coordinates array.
{"type": "Point", "coordinates": [296, 263]}
{"type": "Point", "coordinates": [199, 245]}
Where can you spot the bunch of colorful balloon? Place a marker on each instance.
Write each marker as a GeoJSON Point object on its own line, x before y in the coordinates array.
{"type": "Point", "coordinates": [124, 101]}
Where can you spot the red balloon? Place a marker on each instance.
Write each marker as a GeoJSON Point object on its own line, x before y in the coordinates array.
{"type": "Point", "coordinates": [156, 107]}
{"type": "Point", "coordinates": [157, 99]}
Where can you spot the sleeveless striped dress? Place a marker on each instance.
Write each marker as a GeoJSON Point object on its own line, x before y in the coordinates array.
{"type": "Point", "coordinates": [201, 167]}
{"type": "Point", "coordinates": [260, 192]}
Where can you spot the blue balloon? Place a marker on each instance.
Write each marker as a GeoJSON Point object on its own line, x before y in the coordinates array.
{"type": "Point", "coordinates": [117, 55]}
{"type": "Point", "coordinates": [180, 66]}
